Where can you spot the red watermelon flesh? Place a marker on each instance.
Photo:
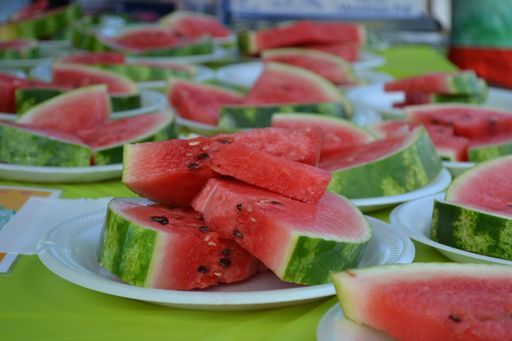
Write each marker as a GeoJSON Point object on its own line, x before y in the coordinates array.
{"type": "Point", "coordinates": [490, 140]}
{"type": "Point", "coordinates": [485, 187]}
{"type": "Point", "coordinates": [200, 102]}
{"type": "Point", "coordinates": [190, 256]}
{"type": "Point", "coordinates": [333, 68]}
{"type": "Point", "coordinates": [194, 25]}
{"type": "Point", "coordinates": [105, 58]}
{"type": "Point", "coordinates": [392, 128]}
{"type": "Point", "coordinates": [336, 133]}
{"type": "Point", "coordinates": [436, 82]}
{"type": "Point", "coordinates": [84, 108]}
{"type": "Point", "coordinates": [78, 75]}
{"type": "Point", "coordinates": [349, 52]}
{"type": "Point", "coordinates": [146, 38]}
{"type": "Point", "coordinates": [189, 68]}
{"type": "Point", "coordinates": [430, 301]}
{"type": "Point", "coordinates": [8, 86]}
{"type": "Point", "coordinates": [281, 83]}
{"type": "Point", "coordinates": [290, 178]}
{"type": "Point", "coordinates": [16, 44]}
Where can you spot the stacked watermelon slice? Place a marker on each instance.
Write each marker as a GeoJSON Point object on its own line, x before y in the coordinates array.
{"type": "Point", "coordinates": [256, 194]}
{"type": "Point", "coordinates": [74, 130]}
{"type": "Point", "coordinates": [458, 87]}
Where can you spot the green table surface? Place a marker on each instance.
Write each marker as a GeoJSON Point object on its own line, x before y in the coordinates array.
{"type": "Point", "coordinates": [36, 304]}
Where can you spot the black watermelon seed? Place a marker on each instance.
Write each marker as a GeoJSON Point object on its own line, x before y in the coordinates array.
{"type": "Point", "coordinates": [225, 262]}
{"type": "Point", "coordinates": [239, 207]}
{"type": "Point", "coordinates": [226, 252]}
{"type": "Point", "coordinates": [492, 122]}
{"type": "Point", "coordinates": [454, 318]}
{"type": "Point", "coordinates": [224, 141]}
{"type": "Point", "coordinates": [238, 234]}
{"type": "Point", "coordinates": [193, 165]}
{"type": "Point", "coordinates": [509, 205]}
{"type": "Point", "coordinates": [276, 203]}
{"type": "Point", "coordinates": [202, 269]}
{"type": "Point", "coordinates": [202, 156]}
{"type": "Point", "coordinates": [203, 228]}
{"type": "Point", "coordinates": [160, 219]}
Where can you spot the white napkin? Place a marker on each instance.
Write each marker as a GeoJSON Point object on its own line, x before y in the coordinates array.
{"type": "Point", "coordinates": [38, 217]}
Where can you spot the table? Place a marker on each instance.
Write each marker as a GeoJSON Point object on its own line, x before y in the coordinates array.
{"type": "Point", "coordinates": [35, 304]}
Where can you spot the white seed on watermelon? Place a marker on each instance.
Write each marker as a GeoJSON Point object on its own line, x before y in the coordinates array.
{"type": "Point", "coordinates": [150, 245]}
{"type": "Point", "coordinates": [301, 243]}
{"type": "Point", "coordinates": [429, 301]}
{"type": "Point", "coordinates": [385, 167]}
{"type": "Point", "coordinates": [25, 145]}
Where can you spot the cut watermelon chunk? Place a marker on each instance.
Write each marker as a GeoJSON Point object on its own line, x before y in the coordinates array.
{"type": "Point", "coordinates": [173, 172]}
{"type": "Point", "coordinates": [333, 68]}
{"type": "Point", "coordinates": [300, 33]}
{"type": "Point", "coordinates": [281, 83]}
{"type": "Point", "coordinates": [490, 147]}
{"type": "Point", "coordinates": [299, 242]}
{"type": "Point", "coordinates": [26, 145]}
{"type": "Point", "coordinates": [193, 25]}
{"type": "Point", "coordinates": [385, 167]}
{"type": "Point", "coordinates": [8, 86]}
{"type": "Point", "coordinates": [149, 245]}
{"type": "Point", "coordinates": [91, 58]}
{"type": "Point", "coordinates": [107, 140]}
{"type": "Point", "coordinates": [430, 301]}
{"type": "Point", "coordinates": [84, 108]}
{"type": "Point", "coordinates": [290, 178]}
{"type": "Point", "coordinates": [76, 75]}
{"type": "Point", "coordinates": [349, 52]}
{"type": "Point", "coordinates": [200, 102]}
{"type": "Point", "coordinates": [336, 133]}
{"type": "Point", "coordinates": [146, 37]}
{"type": "Point", "coordinates": [465, 82]}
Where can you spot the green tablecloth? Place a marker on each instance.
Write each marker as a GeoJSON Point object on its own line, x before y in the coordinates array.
{"type": "Point", "coordinates": [35, 304]}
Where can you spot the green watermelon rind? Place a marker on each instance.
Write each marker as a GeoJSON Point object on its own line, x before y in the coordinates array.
{"type": "Point", "coordinates": [260, 116]}
{"type": "Point", "coordinates": [490, 151]}
{"type": "Point", "coordinates": [124, 103]}
{"type": "Point", "coordinates": [114, 153]}
{"type": "Point", "coordinates": [471, 229]}
{"type": "Point", "coordinates": [246, 44]}
{"type": "Point", "coordinates": [22, 147]}
{"type": "Point", "coordinates": [411, 167]}
{"type": "Point", "coordinates": [43, 26]}
{"type": "Point", "coordinates": [28, 52]}
{"type": "Point", "coordinates": [144, 73]}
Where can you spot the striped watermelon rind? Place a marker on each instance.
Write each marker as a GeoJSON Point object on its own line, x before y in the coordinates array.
{"type": "Point", "coordinates": [489, 152]}
{"type": "Point", "coordinates": [28, 51]}
{"type": "Point", "coordinates": [144, 73]}
{"type": "Point", "coordinates": [409, 168]}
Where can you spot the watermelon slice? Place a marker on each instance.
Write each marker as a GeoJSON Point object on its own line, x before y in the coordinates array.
{"type": "Point", "coordinates": [299, 242]}
{"type": "Point", "coordinates": [333, 68]}
{"type": "Point", "coordinates": [26, 145]}
{"type": "Point", "coordinates": [260, 116]}
{"type": "Point", "coordinates": [146, 37]}
{"type": "Point", "coordinates": [465, 82]}
{"type": "Point", "coordinates": [414, 98]}
{"type": "Point", "coordinates": [349, 52]}
{"type": "Point", "coordinates": [107, 140]}
{"type": "Point", "coordinates": [391, 166]}
{"type": "Point", "coordinates": [281, 83]}
{"type": "Point", "coordinates": [19, 49]}
{"type": "Point", "coordinates": [488, 148]}
{"type": "Point", "coordinates": [300, 33]}
{"type": "Point", "coordinates": [336, 133]}
{"type": "Point", "coordinates": [150, 245]}
{"type": "Point", "coordinates": [8, 86]}
{"type": "Point", "coordinates": [193, 25]}
{"type": "Point", "coordinates": [290, 178]}
{"type": "Point", "coordinates": [174, 171]}
{"type": "Point", "coordinates": [84, 108]}
{"type": "Point", "coordinates": [430, 301]}
{"type": "Point", "coordinates": [91, 58]}
{"type": "Point", "coordinates": [200, 102]}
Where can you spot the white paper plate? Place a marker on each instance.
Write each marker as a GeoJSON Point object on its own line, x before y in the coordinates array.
{"type": "Point", "coordinates": [457, 167]}
{"type": "Point", "coordinates": [59, 174]}
{"type": "Point", "coordinates": [415, 219]}
{"type": "Point", "coordinates": [217, 54]}
{"type": "Point", "coordinates": [334, 326]}
{"type": "Point", "coordinates": [246, 74]}
{"type": "Point", "coordinates": [439, 184]}
{"type": "Point", "coordinates": [23, 63]}
{"type": "Point", "coordinates": [70, 252]}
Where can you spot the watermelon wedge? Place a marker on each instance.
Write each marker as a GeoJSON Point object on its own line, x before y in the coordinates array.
{"type": "Point", "coordinates": [349, 52]}
{"type": "Point", "coordinates": [92, 58]}
{"type": "Point", "coordinates": [84, 108]}
{"type": "Point", "coordinates": [8, 86]}
{"type": "Point", "coordinates": [429, 301]}
{"type": "Point", "coordinates": [300, 33]}
{"type": "Point", "coordinates": [333, 68]}
{"type": "Point", "coordinates": [299, 242]}
{"type": "Point", "coordinates": [281, 83]}
{"type": "Point", "coordinates": [391, 166]}
{"type": "Point", "coordinates": [200, 102]}
{"type": "Point", "coordinates": [146, 37]}
{"type": "Point", "coordinates": [464, 82]}
{"type": "Point", "coordinates": [107, 140]}
{"type": "Point", "coordinates": [336, 133]}
{"type": "Point", "coordinates": [26, 145]}
{"type": "Point", "coordinates": [193, 25]}
{"type": "Point", "coordinates": [19, 49]}
{"type": "Point", "coordinates": [174, 171]}
{"type": "Point", "coordinates": [150, 245]}
{"type": "Point", "coordinates": [488, 148]}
